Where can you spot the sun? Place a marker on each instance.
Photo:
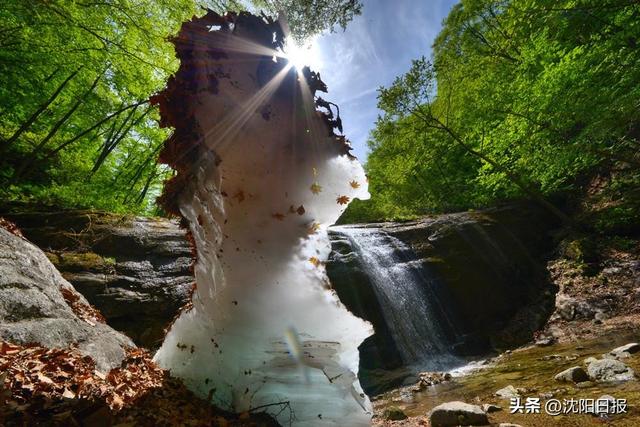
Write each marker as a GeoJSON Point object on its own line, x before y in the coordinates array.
{"type": "Point", "coordinates": [301, 55]}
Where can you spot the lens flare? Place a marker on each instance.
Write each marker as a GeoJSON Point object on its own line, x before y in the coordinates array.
{"type": "Point", "coordinates": [302, 55]}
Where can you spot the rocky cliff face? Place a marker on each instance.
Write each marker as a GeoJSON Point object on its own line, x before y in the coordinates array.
{"type": "Point", "coordinates": [492, 264]}
{"type": "Point", "coordinates": [135, 271]}
{"type": "Point", "coordinates": [37, 305]}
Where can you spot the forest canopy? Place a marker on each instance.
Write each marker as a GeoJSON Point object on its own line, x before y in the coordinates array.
{"type": "Point", "coordinates": [76, 127]}
{"type": "Point", "coordinates": [532, 98]}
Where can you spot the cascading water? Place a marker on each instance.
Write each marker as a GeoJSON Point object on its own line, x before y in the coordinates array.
{"type": "Point", "coordinates": [410, 298]}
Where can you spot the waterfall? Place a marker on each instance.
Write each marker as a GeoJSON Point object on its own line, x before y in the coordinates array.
{"type": "Point", "coordinates": [411, 299]}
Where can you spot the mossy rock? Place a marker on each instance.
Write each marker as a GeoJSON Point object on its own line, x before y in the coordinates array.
{"type": "Point", "coordinates": [83, 261]}
{"type": "Point", "coordinates": [394, 413]}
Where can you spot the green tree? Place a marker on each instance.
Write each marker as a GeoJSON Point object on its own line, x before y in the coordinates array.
{"type": "Point", "coordinates": [541, 94]}
{"type": "Point", "coordinates": [76, 128]}
{"type": "Point", "coordinates": [309, 17]}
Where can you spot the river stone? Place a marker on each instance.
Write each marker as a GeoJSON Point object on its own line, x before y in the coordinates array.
{"type": "Point", "coordinates": [489, 408]}
{"type": "Point", "coordinates": [608, 370]}
{"type": "Point", "coordinates": [625, 350]}
{"type": "Point", "coordinates": [507, 392]}
{"type": "Point", "coordinates": [457, 413]}
{"type": "Point", "coordinates": [574, 374]}
{"type": "Point", "coordinates": [34, 310]}
{"type": "Point", "coordinates": [585, 384]}
{"type": "Point", "coordinates": [394, 414]}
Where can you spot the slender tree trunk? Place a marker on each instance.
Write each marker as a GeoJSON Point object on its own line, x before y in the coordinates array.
{"type": "Point", "coordinates": [118, 137]}
{"type": "Point", "coordinates": [26, 125]}
{"type": "Point", "coordinates": [147, 184]}
{"type": "Point", "coordinates": [113, 135]}
{"type": "Point", "coordinates": [31, 158]}
{"type": "Point", "coordinates": [92, 128]}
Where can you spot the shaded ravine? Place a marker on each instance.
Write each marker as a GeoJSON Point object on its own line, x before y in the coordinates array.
{"type": "Point", "coordinates": [411, 300]}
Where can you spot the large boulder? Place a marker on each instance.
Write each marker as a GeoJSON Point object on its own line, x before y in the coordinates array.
{"type": "Point", "coordinates": [37, 305]}
{"type": "Point", "coordinates": [457, 414]}
{"type": "Point", "coordinates": [135, 270]}
{"type": "Point", "coordinates": [574, 374]}
{"type": "Point", "coordinates": [609, 370]}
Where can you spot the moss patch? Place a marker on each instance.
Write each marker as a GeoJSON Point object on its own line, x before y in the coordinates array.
{"type": "Point", "coordinates": [82, 262]}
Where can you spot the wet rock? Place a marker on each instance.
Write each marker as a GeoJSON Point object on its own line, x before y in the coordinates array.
{"type": "Point", "coordinates": [545, 341]}
{"type": "Point", "coordinates": [394, 414]}
{"type": "Point", "coordinates": [489, 408]}
{"type": "Point", "coordinates": [574, 374]}
{"type": "Point", "coordinates": [37, 305]}
{"type": "Point", "coordinates": [626, 350]}
{"type": "Point", "coordinates": [600, 316]}
{"type": "Point", "coordinates": [609, 370]}
{"type": "Point", "coordinates": [428, 379]}
{"type": "Point", "coordinates": [585, 384]}
{"type": "Point", "coordinates": [507, 392]}
{"type": "Point", "coordinates": [457, 413]}
{"type": "Point", "coordinates": [553, 393]}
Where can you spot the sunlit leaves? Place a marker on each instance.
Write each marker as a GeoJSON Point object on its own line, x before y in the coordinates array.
{"type": "Point", "coordinates": [41, 44]}
{"type": "Point", "coordinates": [307, 18]}
{"type": "Point", "coordinates": [547, 89]}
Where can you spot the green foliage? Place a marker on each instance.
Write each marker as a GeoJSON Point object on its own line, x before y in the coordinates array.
{"type": "Point", "coordinates": [76, 128]}
{"type": "Point", "coordinates": [522, 98]}
{"type": "Point", "coordinates": [309, 17]}
{"type": "Point", "coordinates": [75, 77]}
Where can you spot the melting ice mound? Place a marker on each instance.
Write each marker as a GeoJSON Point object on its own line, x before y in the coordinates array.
{"type": "Point", "coordinates": [260, 176]}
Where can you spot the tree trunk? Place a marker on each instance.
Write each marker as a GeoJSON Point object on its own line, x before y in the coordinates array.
{"type": "Point", "coordinates": [26, 125]}
{"type": "Point", "coordinates": [31, 158]}
{"type": "Point", "coordinates": [95, 126]}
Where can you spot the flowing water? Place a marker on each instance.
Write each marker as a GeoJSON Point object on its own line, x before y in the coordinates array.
{"type": "Point", "coordinates": [411, 298]}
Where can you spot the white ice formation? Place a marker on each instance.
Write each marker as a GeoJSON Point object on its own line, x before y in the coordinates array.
{"type": "Point", "coordinates": [260, 177]}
